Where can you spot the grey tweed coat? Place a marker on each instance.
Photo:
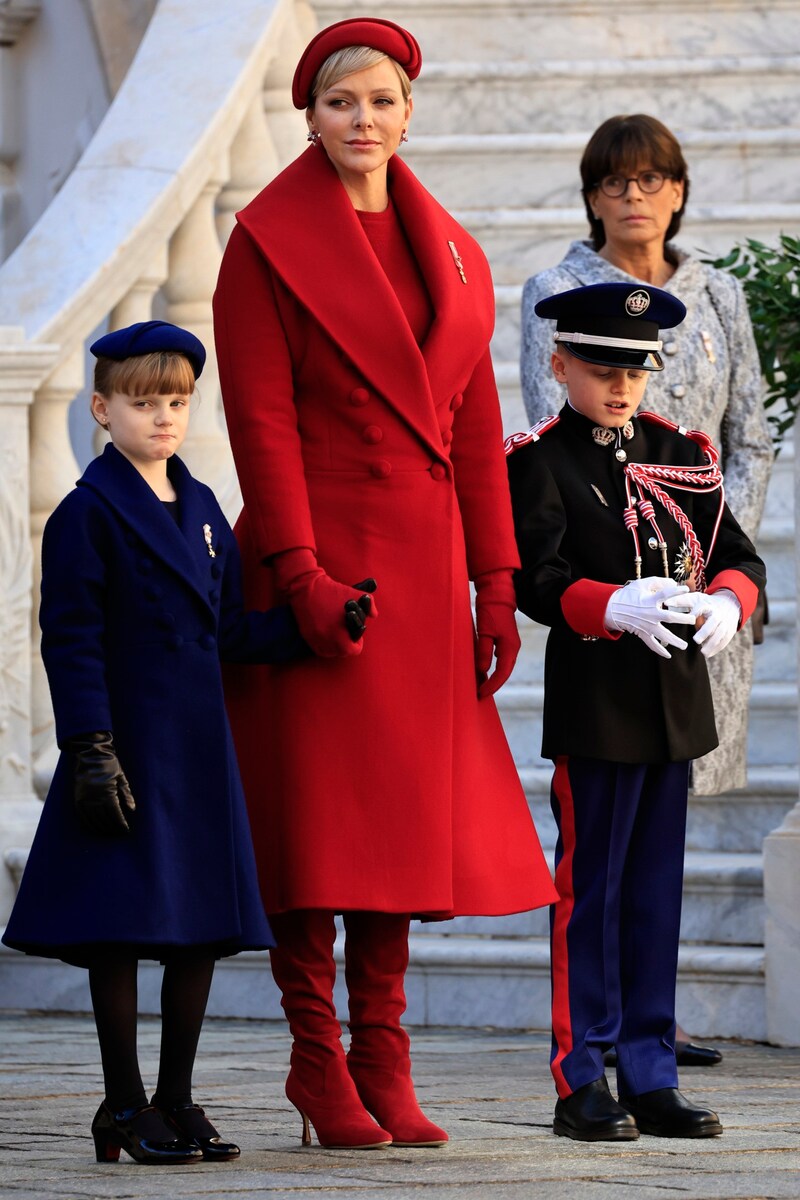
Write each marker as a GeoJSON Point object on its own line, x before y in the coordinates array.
{"type": "Point", "coordinates": [711, 381]}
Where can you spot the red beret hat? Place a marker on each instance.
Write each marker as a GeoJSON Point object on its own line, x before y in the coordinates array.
{"type": "Point", "coordinates": [381, 35]}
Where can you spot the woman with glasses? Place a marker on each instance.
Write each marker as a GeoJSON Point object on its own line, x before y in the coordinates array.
{"type": "Point", "coordinates": [635, 186]}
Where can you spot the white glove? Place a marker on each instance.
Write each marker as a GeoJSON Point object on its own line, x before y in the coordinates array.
{"type": "Point", "coordinates": [638, 608]}
{"type": "Point", "coordinates": [722, 615]}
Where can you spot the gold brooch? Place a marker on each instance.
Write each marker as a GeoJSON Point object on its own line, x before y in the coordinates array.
{"type": "Point", "coordinates": [207, 535]}
{"type": "Point", "coordinates": [457, 261]}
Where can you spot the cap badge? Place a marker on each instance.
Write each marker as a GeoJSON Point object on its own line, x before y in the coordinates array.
{"type": "Point", "coordinates": [637, 303]}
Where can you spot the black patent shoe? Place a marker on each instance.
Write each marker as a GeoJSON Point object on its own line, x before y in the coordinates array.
{"type": "Point", "coordinates": [141, 1132]}
{"type": "Point", "coordinates": [591, 1114]}
{"type": "Point", "coordinates": [667, 1113]}
{"type": "Point", "coordinates": [194, 1126]}
{"type": "Point", "coordinates": [689, 1054]}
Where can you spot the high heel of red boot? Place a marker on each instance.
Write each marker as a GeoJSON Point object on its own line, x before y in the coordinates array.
{"type": "Point", "coordinates": [390, 1097]}
{"type": "Point", "coordinates": [339, 1118]}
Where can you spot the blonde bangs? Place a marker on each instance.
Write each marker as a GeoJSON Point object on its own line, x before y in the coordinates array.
{"type": "Point", "coordinates": [348, 61]}
{"type": "Point", "coordinates": [163, 373]}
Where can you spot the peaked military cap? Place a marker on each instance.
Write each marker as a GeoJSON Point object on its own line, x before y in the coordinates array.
{"type": "Point", "coordinates": [151, 337]}
{"type": "Point", "coordinates": [614, 324]}
{"type": "Point", "coordinates": [379, 34]}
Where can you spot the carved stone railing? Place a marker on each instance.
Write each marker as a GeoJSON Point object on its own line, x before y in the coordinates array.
{"type": "Point", "coordinates": [201, 122]}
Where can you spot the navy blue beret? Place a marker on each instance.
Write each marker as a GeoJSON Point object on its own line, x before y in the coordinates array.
{"type": "Point", "coordinates": [151, 337]}
{"type": "Point", "coordinates": [614, 324]}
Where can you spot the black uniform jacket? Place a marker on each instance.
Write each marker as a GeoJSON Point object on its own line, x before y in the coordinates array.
{"type": "Point", "coordinates": [609, 696]}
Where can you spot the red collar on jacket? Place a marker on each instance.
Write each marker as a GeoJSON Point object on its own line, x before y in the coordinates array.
{"type": "Point", "coordinates": [306, 227]}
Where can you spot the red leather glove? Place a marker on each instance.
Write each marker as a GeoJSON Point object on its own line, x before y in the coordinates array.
{"type": "Point", "coordinates": [318, 603]}
{"type": "Point", "coordinates": [495, 605]}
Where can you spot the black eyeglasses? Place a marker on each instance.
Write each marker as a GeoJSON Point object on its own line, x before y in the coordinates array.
{"type": "Point", "coordinates": [648, 182]}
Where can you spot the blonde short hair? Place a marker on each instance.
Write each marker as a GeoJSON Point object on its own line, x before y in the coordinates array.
{"type": "Point", "coordinates": [347, 61]}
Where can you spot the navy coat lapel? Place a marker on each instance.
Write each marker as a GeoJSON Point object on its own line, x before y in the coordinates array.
{"type": "Point", "coordinates": [183, 549]}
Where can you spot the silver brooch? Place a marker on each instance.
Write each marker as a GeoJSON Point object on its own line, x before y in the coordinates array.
{"type": "Point", "coordinates": [603, 436]}
{"type": "Point", "coordinates": [208, 535]}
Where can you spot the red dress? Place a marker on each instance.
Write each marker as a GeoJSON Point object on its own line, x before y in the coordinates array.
{"type": "Point", "coordinates": [378, 782]}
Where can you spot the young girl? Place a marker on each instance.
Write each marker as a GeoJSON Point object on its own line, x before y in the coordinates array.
{"type": "Point", "coordinates": [143, 849]}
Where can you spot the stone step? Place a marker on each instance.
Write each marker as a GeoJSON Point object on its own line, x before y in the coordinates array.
{"type": "Point", "coordinates": [521, 241]}
{"type": "Point", "coordinates": [541, 170]}
{"type": "Point", "coordinates": [723, 902]}
{"type": "Point", "coordinates": [452, 980]}
{"type": "Point", "coordinates": [588, 29]}
{"type": "Point", "coordinates": [551, 94]}
{"type": "Point", "coordinates": [772, 737]}
{"type": "Point", "coordinates": [735, 822]}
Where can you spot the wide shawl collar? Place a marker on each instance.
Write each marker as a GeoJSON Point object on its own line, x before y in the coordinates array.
{"type": "Point", "coordinates": [306, 227]}
{"type": "Point", "coordinates": [179, 546]}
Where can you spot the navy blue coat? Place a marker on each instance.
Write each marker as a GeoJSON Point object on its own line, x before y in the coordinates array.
{"type": "Point", "coordinates": [135, 616]}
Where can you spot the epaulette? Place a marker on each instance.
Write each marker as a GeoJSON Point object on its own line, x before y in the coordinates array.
{"type": "Point", "coordinates": [516, 440]}
{"type": "Point", "coordinates": [696, 435]}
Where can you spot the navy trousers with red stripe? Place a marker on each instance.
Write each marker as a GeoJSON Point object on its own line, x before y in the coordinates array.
{"type": "Point", "coordinates": [614, 934]}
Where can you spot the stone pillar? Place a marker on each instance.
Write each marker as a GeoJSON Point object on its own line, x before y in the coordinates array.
{"type": "Point", "coordinates": [253, 162]}
{"type": "Point", "coordinates": [194, 258]}
{"type": "Point", "coordinates": [782, 893]}
{"type": "Point", "coordinates": [54, 471]}
{"type": "Point", "coordinates": [22, 368]}
{"type": "Point", "coordinates": [14, 16]}
{"type": "Point", "coordinates": [287, 124]}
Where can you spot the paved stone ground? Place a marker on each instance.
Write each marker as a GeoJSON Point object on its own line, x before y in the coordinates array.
{"type": "Point", "coordinates": [491, 1090]}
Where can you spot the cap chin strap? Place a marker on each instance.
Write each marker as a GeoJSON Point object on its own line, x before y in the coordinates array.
{"type": "Point", "coordinates": [596, 339]}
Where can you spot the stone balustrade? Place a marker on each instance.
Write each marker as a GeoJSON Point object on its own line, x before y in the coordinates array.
{"type": "Point", "coordinates": [201, 122]}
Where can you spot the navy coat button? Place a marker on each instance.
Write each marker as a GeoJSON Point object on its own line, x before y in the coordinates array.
{"type": "Point", "coordinates": [213, 596]}
{"type": "Point", "coordinates": [359, 397]}
{"type": "Point", "coordinates": [456, 402]}
{"type": "Point", "coordinates": [176, 641]}
{"type": "Point", "coordinates": [167, 620]}
{"type": "Point", "coordinates": [438, 471]}
{"type": "Point", "coordinates": [145, 565]}
{"type": "Point", "coordinates": [381, 468]}
{"type": "Point", "coordinates": [372, 434]}
{"type": "Point", "coordinates": [208, 641]}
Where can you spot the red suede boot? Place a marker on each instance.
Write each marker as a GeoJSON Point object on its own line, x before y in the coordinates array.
{"type": "Point", "coordinates": [376, 957]}
{"type": "Point", "coordinates": [319, 1084]}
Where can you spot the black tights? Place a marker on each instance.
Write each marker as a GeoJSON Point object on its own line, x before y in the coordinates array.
{"type": "Point", "coordinates": [184, 995]}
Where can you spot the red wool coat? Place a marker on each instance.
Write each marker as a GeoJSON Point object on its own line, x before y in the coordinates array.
{"type": "Point", "coordinates": [377, 782]}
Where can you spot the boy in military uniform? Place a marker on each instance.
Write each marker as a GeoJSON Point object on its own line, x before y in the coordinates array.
{"type": "Point", "coordinates": [626, 543]}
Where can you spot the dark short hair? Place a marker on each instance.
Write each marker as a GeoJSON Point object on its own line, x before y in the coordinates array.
{"type": "Point", "coordinates": [620, 145]}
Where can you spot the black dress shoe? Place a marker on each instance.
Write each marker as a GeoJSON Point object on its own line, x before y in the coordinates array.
{"type": "Point", "coordinates": [667, 1113]}
{"type": "Point", "coordinates": [591, 1114]}
{"type": "Point", "coordinates": [141, 1132]}
{"type": "Point", "coordinates": [192, 1124]}
{"type": "Point", "coordinates": [689, 1054]}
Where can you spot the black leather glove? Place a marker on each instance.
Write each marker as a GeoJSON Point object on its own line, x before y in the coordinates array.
{"type": "Point", "coordinates": [101, 792]}
{"type": "Point", "coordinates": [356, 611]}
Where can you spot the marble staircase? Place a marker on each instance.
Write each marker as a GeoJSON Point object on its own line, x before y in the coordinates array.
{"type": "Point", "coordinates": [509, 93]}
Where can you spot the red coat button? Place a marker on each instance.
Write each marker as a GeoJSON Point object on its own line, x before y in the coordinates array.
{"type": "Point", "coordinates": [456, 402]}
{"type": "Point", "coordinates": [359, 397]}
{"type": "Point", "coordinates": [372, 434]}
{"type": "Point", "coordinates": [381, 468]}
{"type": "Point", "coordinates": [438, 471]}
{"type": "Point", "coordinates": [447, 436]}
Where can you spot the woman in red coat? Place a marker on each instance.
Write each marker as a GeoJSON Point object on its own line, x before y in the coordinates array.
{"type": "Point", "coordinates": [353, 318]}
